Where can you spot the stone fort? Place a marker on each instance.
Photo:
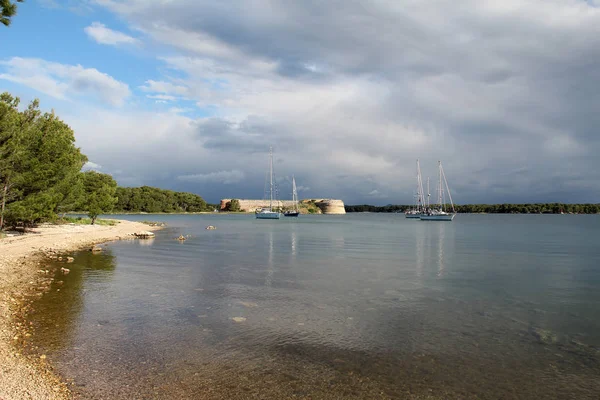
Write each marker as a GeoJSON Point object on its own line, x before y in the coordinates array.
{"type": "Point", "coordinates": [327, 206]}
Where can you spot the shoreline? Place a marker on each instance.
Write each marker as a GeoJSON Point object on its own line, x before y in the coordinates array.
{"type": "Point", "coordinates": [23, 259]}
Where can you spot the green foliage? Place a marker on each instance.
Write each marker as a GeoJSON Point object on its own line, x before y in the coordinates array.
{"type": "Point", "coordinates": [73, 194]}
{"type": "Point", "coordinates": [535, 208]}
{"type": "Point", "coordinates": [153, 200]}
{"type": "Point", "coordinates": [40, 174]}
{"type": "Point", "coordinates": [100, 193]}
{"type": "Point", "coordinates": [7, 11]}
{"type": "Point", "coordinates": [38, 162]}
{"type": "Point", "coordinates": [309, 207]}
{"type": "Point", "coordinates": [369, 208]}
{"type": "Point", "coordinates": [233, 206]}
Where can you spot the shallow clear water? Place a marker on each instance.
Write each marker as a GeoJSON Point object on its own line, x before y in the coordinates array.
{"type": "Point", "coordinates": [354, 306]}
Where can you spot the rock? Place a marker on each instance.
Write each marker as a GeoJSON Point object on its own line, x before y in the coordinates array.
{"type": "Point", "coordinates": [181, 238]}
{"type": "Point", "coordinates": [70, 259]}
{"type": "Point", "coordinates": [544, 336]}
{"type": "Point", "coordinates": [65, 271]}
{"type": "Point", "coordinates": [211, 227]}
{"type": "Point", "coordinates": [60, 258]}
{"type": "Point", "coordinates": [96, 249]}
{"type": "Point", "coordinates": [239, 319]}
{"type": "Point", "coordinates": [144, 234]}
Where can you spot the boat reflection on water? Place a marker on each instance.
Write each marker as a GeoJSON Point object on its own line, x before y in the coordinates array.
{"type": "Point", "coordinates": [293, 245]}
{"type": "Point", "coordinates": [270, 266]}
{"type": "Point", "coordinates": [433, 246]}
{"type": "Point", "coordinates": [441, 240]}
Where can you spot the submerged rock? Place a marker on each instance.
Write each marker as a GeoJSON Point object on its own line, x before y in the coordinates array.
{"type": "Point", "coordinates": [239, 319]}
{"type": "Point", "coordinates": [544, 336]}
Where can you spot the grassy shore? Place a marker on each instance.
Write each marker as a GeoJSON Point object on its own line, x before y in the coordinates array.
{"type": "Point", "coordinates": [23, 260]}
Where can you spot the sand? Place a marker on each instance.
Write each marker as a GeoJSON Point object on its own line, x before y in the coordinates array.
{"type": "Point", "coordinates": [21, 275]}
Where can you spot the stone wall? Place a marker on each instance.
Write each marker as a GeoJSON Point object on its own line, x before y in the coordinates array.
{"type": "Point", "coordinates": [327, 206]}
{"type": "Point", "coordinates": [253, 205]}
{"type": "Point", "coordinates": [331, 206]}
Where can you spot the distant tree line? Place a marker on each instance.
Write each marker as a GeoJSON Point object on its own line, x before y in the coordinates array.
{"type": "Point", "coordinates": [534, 208]}
{"type": "Point", "coordinates": [153, 200]}
{"type": "Point", "coordinates": [233, 206]}
{"type": "Point", "coordinates": [41, 174]}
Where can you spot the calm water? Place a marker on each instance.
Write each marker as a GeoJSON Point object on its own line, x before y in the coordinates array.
{"type": "Point", "coordinates": [332, 307]}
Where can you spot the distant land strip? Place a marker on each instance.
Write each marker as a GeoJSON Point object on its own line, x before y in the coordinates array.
{"type": "Point", "coordinates": [306, 206]}
{"type": "Point", "coordinates": [531, 208]}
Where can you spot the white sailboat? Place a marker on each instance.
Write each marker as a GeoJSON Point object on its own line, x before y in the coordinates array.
{"type": "Point", "coordinates": [419, 206]}
{"type": "Point", "coordinates": [294, 212]}
{"type": "Point", "coordinates": [439, 212]}
{"type": "Point", "coordinates": [268, 213]}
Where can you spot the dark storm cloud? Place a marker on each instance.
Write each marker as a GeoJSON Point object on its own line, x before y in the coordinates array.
{"type": "Point", "coordinates": [252, 135]}
{"type": "Point", "coordinates": [506, 93]}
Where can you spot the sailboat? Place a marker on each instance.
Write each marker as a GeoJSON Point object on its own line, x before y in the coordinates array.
{"type": "Point", "coordinates": [419, 207]}
{"type": "Point", "coordinates": [439, 212]}
{"type": "Point", "coordinates": [268, 213]}
{"type": "Point", "coordinates": [294, 212]}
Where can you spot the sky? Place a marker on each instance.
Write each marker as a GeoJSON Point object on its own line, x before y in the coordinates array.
{"type": "Point", "coordinates": [188, 95]}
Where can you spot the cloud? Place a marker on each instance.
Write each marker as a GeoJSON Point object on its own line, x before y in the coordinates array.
{"type": "Point", "coordinates": [165, 89]}
{"type": "Point", "coordinates": [62, 81]}
{"type": "Point", "coordinates": [161, 97]}
{"type": "Point", "coordinates": [377, 194]}
{"type": "Point", "coordinates": [103, 35]}
{"type": "Point", "coordinates": [351, 96]}
{"type": "Point", "coordinates": [91, 166]}
{"type": "Point", "coordinates": [49, 3]}
{"type": "Point", "coordinates": [224, 177]}
{"type": "Point", "coordinates": [178, 110]}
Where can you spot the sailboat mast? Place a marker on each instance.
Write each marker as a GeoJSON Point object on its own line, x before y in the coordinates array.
{"type": "Point", "coordinates": [420, 199]}
{"type": "Point", "coordinates": [416, 198]}
{"type": "Point", "coordinates": [294, 194]}
{"type": "Point", "coordinates": [428, 194]}
{"type": "Point", "coordinates": [271, 178]}
{"type": "Point", "coordinates": [448, 189]}
{"type": "Point", "coordinates": [440, 200]}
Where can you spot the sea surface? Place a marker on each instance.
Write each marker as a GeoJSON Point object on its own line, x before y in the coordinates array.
{"type": "Point", "coordinates": [357, 306]}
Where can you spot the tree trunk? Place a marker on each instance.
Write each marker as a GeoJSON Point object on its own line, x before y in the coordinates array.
{"type": "Point", "coordinates": [3, 204]}
{"type": "Point", "coordinates": [94, 220]}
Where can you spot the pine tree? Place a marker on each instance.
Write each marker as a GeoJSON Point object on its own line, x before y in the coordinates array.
{"type": "Point", "coordinates": [7, 11]}
{"type": "Point", "coordinates": [100, 193]}
{"type": "Point", "coordinates": [38, 160]}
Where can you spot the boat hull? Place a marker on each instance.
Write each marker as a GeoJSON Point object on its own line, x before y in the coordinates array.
{"type": "Point", "coordinates": [413, 216]}
{"type": "Point", "coordinates": [268, 215]}
{"type": "Point", "coordinates": [291, 214]}
{"type": "Point", "coordinates": [437, 217]}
